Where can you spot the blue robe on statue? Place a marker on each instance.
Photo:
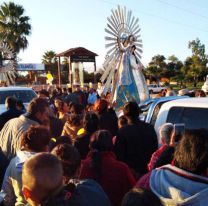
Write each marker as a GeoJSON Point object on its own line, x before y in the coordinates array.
{"type": "Point", "coordinates": [131, 82]}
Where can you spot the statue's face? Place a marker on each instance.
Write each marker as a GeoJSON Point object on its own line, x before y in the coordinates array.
{"type": "Point", "coordinates": [124, 39]}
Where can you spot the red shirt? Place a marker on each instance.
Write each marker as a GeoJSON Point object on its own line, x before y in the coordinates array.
{"type": "Point", "coordinates": [116, 177]}
{"type": "Point", "coordinates": [155, 157]}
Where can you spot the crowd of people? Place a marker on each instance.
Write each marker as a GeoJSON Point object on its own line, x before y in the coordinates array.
{"type": "Point", "coordinates": [70, 148]}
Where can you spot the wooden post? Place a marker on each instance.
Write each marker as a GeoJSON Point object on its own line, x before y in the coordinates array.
{"type": "Point", "coordinates": [95, 79]}
{"type": "Point", "coordinates": [59, 71]}
{"type": "Point", "coordinates": [69, 76]}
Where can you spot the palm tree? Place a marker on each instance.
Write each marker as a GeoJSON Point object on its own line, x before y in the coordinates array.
{"type": "Point", "coordinates": [14, 26]}
{"type": "Point", "coordinates": [50, 60]}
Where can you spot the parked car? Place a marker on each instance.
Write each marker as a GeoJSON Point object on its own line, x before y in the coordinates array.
{"type": "Point", "coordinates": [150, 108]}
{"type": "Point", "coordinates": [155, 88]}
{"type": "Point", "coordinates": [23, 93]}
{"type": "Point", "coordinates": [205, 85]}
{"type": "Point", "coordinates": [193, 112]}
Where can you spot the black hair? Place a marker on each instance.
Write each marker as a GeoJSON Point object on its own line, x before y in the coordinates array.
{"type": "Point", "coordinates": [101, 141]}
{"type": "Point", "coordinates": [140, 197]}
{"type": "Point", "coordinates": [44, 92]}
{"type": "Point", "coordinates": [60, 140]}
{"type": "Point", "coordinates": [76, 108]}
{"type": "Point", "coordinates": [91, 122]}
{"type": "Point", "coordinates": [122, 120]}
{"type": "Point", "coordinates": [19, 103]}
{"type": "Point", "coordinates": [131, 110]}
{"type": "Point", "coordinates": [75, 120]}
{"type": "Point", "coordinates": [69, 157]}
{"type": "Point", "coordinates": [11, 102]}
{"type": "Point", "coordinates": [192, 152]}
{"type": "Point", "coordinates": [56, 126]}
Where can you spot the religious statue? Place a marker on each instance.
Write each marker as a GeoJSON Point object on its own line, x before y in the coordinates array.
{"type": "Point", "coordinates": [123, 68]}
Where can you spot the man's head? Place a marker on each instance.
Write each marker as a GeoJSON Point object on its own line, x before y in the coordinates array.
{"type": "Point", "coordinates": [10, 103]}
{"type": "Point", "coordinates": [35, 139]}
{"type": "Point", "coordinates": [100, 106]}
{"type": "Point", "coordinates": [122, 121]}
{"type": "Point", "coordinates": [192, 154]}
{"type": "Point", "coordinates": [39, 109]}
{"type": "Point", "coordinates": [165, 132]}
{"type": "Point", "coordinates": [131, 110]}
{"type": "Point", "coordinates": [43, 94]}
{"type": "Point", "coordinates": [42, 177]}
{"type": "Point", "coordinates": [77, 88]}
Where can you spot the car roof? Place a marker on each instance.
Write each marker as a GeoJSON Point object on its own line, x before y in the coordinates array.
{"type": "Point", "coordinates": [196, 102]}
{"type": "Point", "coordinates": [14, 88]}
{"type": "Point", "coordinates": [188, 102]}
{"type": "Point", "coordinates": [157, 101]}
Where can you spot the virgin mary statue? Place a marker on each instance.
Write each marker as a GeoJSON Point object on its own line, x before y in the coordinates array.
{"type": "Point", "coordinates": [123, 75]}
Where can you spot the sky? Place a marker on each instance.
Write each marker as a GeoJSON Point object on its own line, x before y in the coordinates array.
{"type": "Point", "coordinates": [166, 26]}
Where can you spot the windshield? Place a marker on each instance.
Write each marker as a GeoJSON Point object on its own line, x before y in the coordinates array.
{"type": "Point", "coordinates": [24, 95]}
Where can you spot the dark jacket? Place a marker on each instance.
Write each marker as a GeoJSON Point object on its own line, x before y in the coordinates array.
{"type": "Point", "coordinates": [116, 177]}
{"type": "Point", "coordinates": [4, 163]}
{"type": "Point", "coordinates": [9, 114]}
{"type": "Point", "coordinates": [82, 144]}
{"type": "Point", "coordinates": [79, 193]}
{"type": "Point", "coordinates": [135, 143]}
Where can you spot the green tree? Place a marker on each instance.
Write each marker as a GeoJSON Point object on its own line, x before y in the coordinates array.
{"type": "Point", "coordinates": [50, 60]}
{"type": "Point", "coordinates": [195, 66]}
{"type": "Point", "coordinates": [14, 26]}
{"type": "Point", "coordinates": [174, 66]}
{"type": "Point", "coordinates": [156, 68]}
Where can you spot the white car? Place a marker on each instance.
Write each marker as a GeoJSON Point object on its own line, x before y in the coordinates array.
{"type": "Point", "coordinates": [22, 93]}
{"type": "Point", "coordinates": [155, 88]}
{"type": "Point", "coordinates": [193, 112]}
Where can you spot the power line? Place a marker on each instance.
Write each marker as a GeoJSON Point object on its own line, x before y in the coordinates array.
{"type": "Point", "coordinates": [183, 9]}
{"type": "Point", "coordinates": [194, 3]}
{"type": "Point", "coordinates": [162, 18]}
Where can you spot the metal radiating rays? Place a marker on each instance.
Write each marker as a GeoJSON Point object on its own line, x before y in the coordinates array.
{"type": "Point", "coordinates": [122, 32]}
{"type": "Point", "coordinates": [7, 64]}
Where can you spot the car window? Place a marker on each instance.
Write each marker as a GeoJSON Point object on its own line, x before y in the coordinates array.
{"type": "Point", "coordinates": [24, 95]}
{"type": "Point", "coordinates": [155, 113]}
{"type": "Point", "coordinates": [194, 118]}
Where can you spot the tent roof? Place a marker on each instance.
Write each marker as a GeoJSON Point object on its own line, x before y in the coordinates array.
{"type": "Point", "coordinates": [76, 51]}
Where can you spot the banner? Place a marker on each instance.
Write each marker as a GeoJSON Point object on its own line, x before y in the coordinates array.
{"type": "Point", "coordinates": [30, 67]}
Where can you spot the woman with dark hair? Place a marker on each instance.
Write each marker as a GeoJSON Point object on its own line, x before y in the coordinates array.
{"type": "Point", "coordinates": [90, 125]}
{"type": "Point", "coordinates": [63, 111]}
{"type": "Point", "coordinates": [34, 140]}
{"type": "Point", "coordinates": [185, 181]}
{"type": "Point", "coordinates": [81, 192]}
{"type": "Point", "coordinates": [101, 165]}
